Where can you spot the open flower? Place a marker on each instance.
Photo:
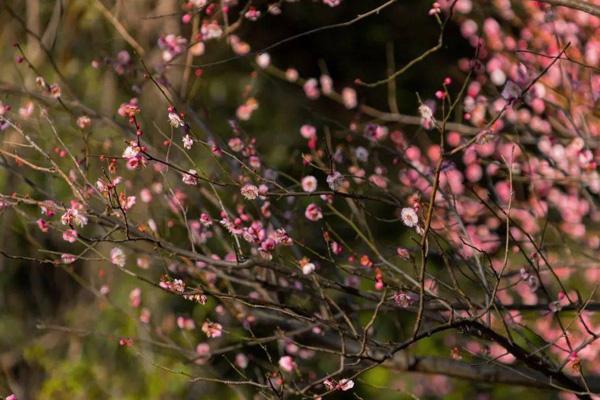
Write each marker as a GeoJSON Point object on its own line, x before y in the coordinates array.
{"type": "Point", "coordinates": [67, 258]}
{"type": "Point", "coordinates": [175, 120]}
{"type": "Point", "coordinates": [346, 384]}
{"type": "Point", "coordinates": [287, 363]}
{"type": "Point", "coordinates": [409, 217]}
{"type": "Point", "coordinates": [249, 191]}
{"type": "Point", "coordinates": [74, 216]}
{"type": "Point", "coordinates": [309, 183]}
{"type": "Point", "coordinates": [187, 142]}
{"type": "Point", "coordinates": [117, 257]}
{"type": "Point", "coordinates": [313, 212]}
{"type": "Point", "coordinates": [70, 235]}
{"type": "Point", "coordinates": [190, 178]}
{"type": "Point", "coordinates": [306, 266]}
{"type": "Point", "coordinates": [335, 180]}
{"type": "Point", "coordinates": [212, 329]}
{"type": "Point", "coordinates": [427, 119]}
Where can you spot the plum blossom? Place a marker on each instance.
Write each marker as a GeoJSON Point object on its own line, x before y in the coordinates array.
{"type": "Point", "coordinates": [252, 14]}
{"type": "Point", "coordinates": [70, 235]}
{"type": "Point", "coordinates": [404, 299]}
{"type": "Point", "coordinates": [43, 225]}
{"type": "Point", "coordinates": [241, 361]}
{"type": "Point", "coordinates": [263, 60]}
{"type": "Point", "coordinates": [349, 98]}
{"type": "Point", "coordinates": [326, 83]}
{"type": "Point", "coordinates": [117, 257]}
{"type": "Point", "coordinates": [175, 120]}
{"type": "Point", "coordinates": [133, 155]}
{"type": "Point", "coordinates": [335, 180]}
{"type": "Point", "coordinates": [287, 363]}
{"type": "Point", "coordinates": [511, 91]}
{"type": "Point", "coordinates": [308, 131]}
{"type": "Point", "coordinates": [427, 119]}
{"type": "Point", "coordinates": [245, 111]}
{"type": "Point", "coordinates": [206, 220]}
{"type": "Point", "coordinates": [48, 208]}
{"type": "Point", "coordinates": [172, 46]}
{"type": "Point", "coordinates": [291, 74]}
{"type": "Point", "coordinates": [212, 329]}
{"type": "Point", "coordinates": [343, 385]}
{"type": "Point", "coordinates": [203, 352]}
{"type": "Point", "coordinates": [190, 178]}
{"type": "Point", "coordinates": [236, 144]}
{"type": "Point", "coordinates": [135, 297]}
{"type": "Point", "coordinates": [211, 30]}
{"type": "Point", "coordinates": [74, 216]}
{"type": "Point", "coordinates": [186, 323]}
{"type": "Point", "coordinates": [311, 89]}
{"type": "Point", "coordinates": [346, 384]}
{"type": "Point", "coordinates": [187, 142]}
{"type": "Point", "coordinates": [332, 3]}
{"type": "Point", "coordinates": [67, 258]}
{"type": "Point", "coordinates": [435, 9]}
{"type": "Point", "coordinates": [84, 122]}
{"type": "Point", "coordinates": [313, 212]}
{"type": "Point", "coordinates": [175, 285]}
{"type": "Point", "coordinates": [309, 184]}
{"type": "Point", "coordinates": [307, 266]}
{"type": "Point", "coordinates": [409, 217]}
{"type": "Point", "coordinates": [249, 191]}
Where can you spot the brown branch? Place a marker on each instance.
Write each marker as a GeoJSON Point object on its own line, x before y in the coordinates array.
{"type": "Point", "coordinates": [480, 372]}
{"type": "Point", "coordinates": [579, 5]}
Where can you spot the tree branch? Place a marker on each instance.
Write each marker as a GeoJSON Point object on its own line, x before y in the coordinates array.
{"type": "Point", "coordinates": [575, 5]}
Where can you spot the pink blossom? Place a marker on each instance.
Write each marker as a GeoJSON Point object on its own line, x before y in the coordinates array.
{"type": "Point", "coordinates": [308, 268]}
{"type": "Point", "coordinates": [43, 225]}
{"type": "Point", "coordinates": [117, 257]}
{"type": "Point", "coordinates": [187, 142]}
{"type": "Point", "coordinates": [308, 131]}
{"type": "Point", "coordinates": [427, 119]}
{"type": "Point", "coordinates": [409, 217]}
{"type": "Point", "coordinates": [332, 3]}
{"type": "Point", "coordinates": [252, 14]}
{"type": "Point", "coordinates": [249, 191]}
{"type": "Point", "coordinates": [263, 60]}
{"type": "Point", "coordinates": [203, 350]}
{"type": "Point", "coordinates": [212, 329]}
{"type": "Point", "coordinates": [185, 323]}
{"type": "Point", "coordinates": [309, 183]}
{"type": "Point", "coordinates": [70, 235]}
{"type": "Point", "coordinates": [236, 144]}
{"type": "Point", "coordinates": [346, 384]}
{"type": "Point", "coordinates": [349, 98]}
{"type": "Point", "coordinates": [241, 361]}
{"type": "Point", "coordinates": [143, 262]}
{"type": "Point", "coordinates": [74, 216]}
{"type": "Point", "coordinates": [67, 258]}
{"type": "Point", "coordinates": [190, 178]}
{"type": "Point", "coordinates": [172, 46]}
{"type": "Point", "coordinates": [313, 212]}
{"type": "Point", "coordinates": [311, 89]}
{"type": "Point", "coordinates": [135, 297]}
{"type": "Point", "coordinates": [287, 363]}
{"type": "Point", "coordinates": [335, 180]}
{"type": "Point", "coordinates": [175, 120]}
{"type": "Point", "coordinates": [84, 122]}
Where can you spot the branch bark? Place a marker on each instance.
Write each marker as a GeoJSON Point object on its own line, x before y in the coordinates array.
{"type": "Point", "coordinates": [575, 5]}
{"type": "Point", "coordinates": [488, 373]}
